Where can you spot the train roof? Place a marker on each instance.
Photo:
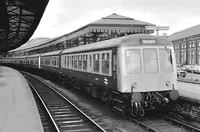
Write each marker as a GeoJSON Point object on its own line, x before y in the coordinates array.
{"type": "Point", "coordinates": [52, 53]}
{"type": "Point", "coordinates": [17, 57]}
{"type": "Point", "coordinates": [130, 40]}
{"type": "Point", "coordinates": [35, 55]}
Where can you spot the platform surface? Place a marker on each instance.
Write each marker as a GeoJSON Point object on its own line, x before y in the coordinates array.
{"type": "Point", "coordinates": [189, 90]}
{"type": "Point", "coordinates": [18, 111]}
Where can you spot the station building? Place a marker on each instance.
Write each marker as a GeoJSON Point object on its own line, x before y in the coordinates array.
{"type": "Point", "coordinates": [187, 45]}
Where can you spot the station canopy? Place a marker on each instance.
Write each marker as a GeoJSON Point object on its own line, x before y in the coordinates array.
{"type": "Point", "coordinates": [19, 19]}
{"type": "Point", "coordinates": [108, 27]}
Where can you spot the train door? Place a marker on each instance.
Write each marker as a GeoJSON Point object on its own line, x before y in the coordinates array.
{"type": "Point", "coordinates": [114, 65]}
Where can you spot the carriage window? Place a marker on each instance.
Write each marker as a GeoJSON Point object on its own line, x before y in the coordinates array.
{"type": "Point", "coordinates": [58, 61]}
{"type": "Point", "coordinates": [68, 61]}
{"type": "Point", "coordinates": [133, 62]}
{"type": "Point", "coordinates": [96, 62]}
{"type": "Point", "coordinates": [72, 62]}
{"type": "Point", "coordinates": [53, 61]}
{"type": "Point", "coordinates": [62, 61]}
{"type": "Point", "coordinates": [80, 62]}
{"type": "Point", "coordinates": [75, 62]}
{"type": "Point", "coordinates": [65, 61]}
{"type": "Point", "coordinates": [85, 62]}
{"type": "Point", "coordinates": [41, 61]}
{"type": "Point", "coordinates": [89, 68]}
{"type": "Point", "coordinates": [106, 63]}
{"type": "Point", "coordinates": [47, 61]}
{"type": "Point", "coordinates": [166, 65]}
{"type": "Point", "coordinates": [150, 60]}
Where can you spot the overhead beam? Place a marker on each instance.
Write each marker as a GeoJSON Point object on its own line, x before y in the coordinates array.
{"type": "Point", "coordinates": [157, 28]}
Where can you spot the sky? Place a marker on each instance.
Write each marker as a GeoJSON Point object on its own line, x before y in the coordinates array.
{"type": "Point", "coordinates": [64, 16]}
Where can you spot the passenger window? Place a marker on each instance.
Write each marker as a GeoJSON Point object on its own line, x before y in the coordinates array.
{"type": "Point", "coordinates": [106, 63]}
{"type": "Point", "coordinates": [89, 63]}
{"type": "Point", "coordinates": [80, 62]}
{"type": "Point", "coordinates": [75, 62]}
{"type": "Point", "coordinates": [150, 60]}
{"type": "Point", "coordinates": [65, 65]}
{"type": "Point", "coordinates": [133, 62]}
{"type": "Point", "coordinates": [72, 62]}
{"type": "Point", "coordinates": [58, 61]}
{"type": "Point", "coordinates": [85, 62]}
{"type": "Point", "coordinates": [63, 61]}
{"type": "Point", "coordinates": [51, 61]}
{"type": "Point", "coordinates": [166, 65]}
{"type": "Point", "coordinates": [55, 61]}
{"type": "Point", "coordinates": [96, 62]}
{"type": "Point", "coordinates": [67, 62]}
{"type": "Point", "coordinates": [48, 61]}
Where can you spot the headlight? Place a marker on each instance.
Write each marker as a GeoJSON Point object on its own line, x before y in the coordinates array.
{"type": "Point", "coordinates": [168, 83]}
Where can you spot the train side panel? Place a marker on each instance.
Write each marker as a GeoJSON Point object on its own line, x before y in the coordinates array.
{"type": "Point", "coordinates": [103, 77]}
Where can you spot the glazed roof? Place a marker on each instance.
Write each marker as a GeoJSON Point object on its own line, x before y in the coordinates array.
{"type": "Point", "coordinates": [22, 18]}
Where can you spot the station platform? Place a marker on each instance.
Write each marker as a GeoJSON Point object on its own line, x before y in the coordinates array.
{"type": "Point", "coordinates": [189, 91]}
{"type": "Point", "coordinates": [18, 110]}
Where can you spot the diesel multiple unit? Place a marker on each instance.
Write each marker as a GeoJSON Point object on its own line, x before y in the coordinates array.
{"type": "Point", "coordinates": [132, 74]}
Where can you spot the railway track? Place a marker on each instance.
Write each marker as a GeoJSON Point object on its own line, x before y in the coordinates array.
{"type": "Point", "coordinates": [65, 116]}
{"type": "Point", "coordinates": [159, 123]}
{"type": "Point", "coordinates": [47, 123]}
{"type": "Point", "coordinates": [164, 123]}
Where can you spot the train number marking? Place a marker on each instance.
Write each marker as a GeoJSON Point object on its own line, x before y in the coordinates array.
{"type": "Point", "coordinates": [106, 81]}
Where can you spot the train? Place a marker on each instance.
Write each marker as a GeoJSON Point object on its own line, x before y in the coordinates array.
{"type": "Point", "coordinates": [132, 74]}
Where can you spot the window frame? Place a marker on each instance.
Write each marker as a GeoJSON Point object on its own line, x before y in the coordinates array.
{"type": "Point", "coordinates": [157, 71]}
{"type": "Point", "coordinates": [90, 65]}
{"type": "Point", "coordinates": [141, 63]}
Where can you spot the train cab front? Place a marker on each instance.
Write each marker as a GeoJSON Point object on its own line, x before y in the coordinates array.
{"type": "Point", "coordinates": [149, 76]}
